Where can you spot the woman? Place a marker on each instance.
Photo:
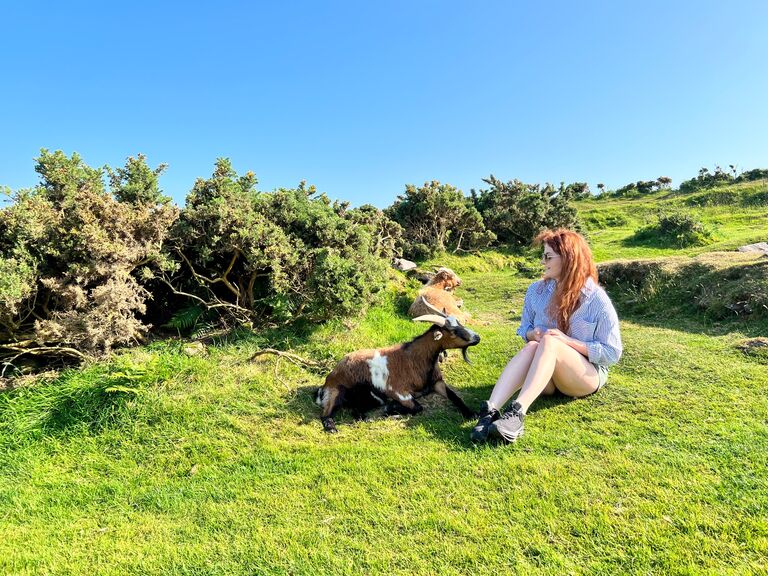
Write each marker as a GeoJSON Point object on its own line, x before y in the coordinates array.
{"type": "Point", "coordinates": [571, 332]}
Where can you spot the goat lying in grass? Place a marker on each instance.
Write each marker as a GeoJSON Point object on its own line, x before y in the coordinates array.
{"type": "Point", "coordinates": [392, 376]}
{"type": "Point", "coordinates": [439, 294]}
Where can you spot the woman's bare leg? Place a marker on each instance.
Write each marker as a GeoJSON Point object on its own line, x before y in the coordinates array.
{"type": "Point", "coordinates": [511, 378]}
{"type": "Point", "coordinates": [555, 361]}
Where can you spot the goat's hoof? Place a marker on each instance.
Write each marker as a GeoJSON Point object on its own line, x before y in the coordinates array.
{"type": "Point", "coordinates": [329, 425]}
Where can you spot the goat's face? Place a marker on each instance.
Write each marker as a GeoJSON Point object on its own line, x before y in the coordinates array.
{"type": "Point", "coordinates": [452, 334]}
{"type": "Point", "coordinates": [445, 278]}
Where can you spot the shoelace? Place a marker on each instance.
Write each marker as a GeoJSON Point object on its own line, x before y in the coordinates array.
{"type": "Point", "coordinates": [511, 413]}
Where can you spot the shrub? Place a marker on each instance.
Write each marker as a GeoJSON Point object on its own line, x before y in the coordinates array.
{"type": "Point", "coordinates": [256, 258]}
{"type": "Point", "coordinates": [641, 188]}
{"type": "Point", "coordinates": [674, 229]}
{"type": "Point", "coordinates": [753, 175]}
{"type": "Point", "coordinates": [438, 217]}
{"type": "Point", "coordinates": [515, 212]}
{"type": "Point", "coordinates": [707, 179]}
{"type": "Point", "coordinates": [76, 257]}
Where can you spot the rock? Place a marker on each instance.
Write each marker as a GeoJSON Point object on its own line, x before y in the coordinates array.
{"type": "Point", "coordinates": [194, 349]}
{"type": "Point", "coordinates": [422, 276]}
{"type": "Point", "coordinates": [403, 264]}
{"type": "Point", "coordinates": [758, 247]}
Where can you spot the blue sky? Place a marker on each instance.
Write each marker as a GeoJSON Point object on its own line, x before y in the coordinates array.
{"type": "Point", "coordinates": [361, 98]}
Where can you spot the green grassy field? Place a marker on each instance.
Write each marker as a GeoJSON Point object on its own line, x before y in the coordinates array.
{"type": "Point", "coordinates": [158, 462]}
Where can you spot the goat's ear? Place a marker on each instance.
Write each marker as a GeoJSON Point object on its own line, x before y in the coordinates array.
{"type": "Point", "coordinates": [438, 334]}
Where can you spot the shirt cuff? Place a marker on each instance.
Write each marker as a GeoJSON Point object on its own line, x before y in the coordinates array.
{"type": "Point", "coordinates": [593, 352]}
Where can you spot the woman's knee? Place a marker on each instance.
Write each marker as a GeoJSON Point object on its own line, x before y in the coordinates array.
{"type": "Point", "coordinates": [549, 389]}
{"type": "Point", "coordinates": [550, 343]}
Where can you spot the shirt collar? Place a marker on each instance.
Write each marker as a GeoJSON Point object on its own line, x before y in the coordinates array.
{"type": "Point", "coordinates": [589, 287]}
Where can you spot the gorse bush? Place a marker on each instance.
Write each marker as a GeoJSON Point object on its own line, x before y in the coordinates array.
{"type": "Point", "coordinates": [437, 217]}
{"type": "Point", "coordinates": [260, 257]}
{"type": "Point", "coordinates": [516, 211]}
{"type": "Point", "coordinates": [678, 229]}
{"type": "Point", "coordinates": [718, 177]}
{"type": "Point", "coordinates": [76, 257]}
{"type": "Point", "coordinates": [707, 179]}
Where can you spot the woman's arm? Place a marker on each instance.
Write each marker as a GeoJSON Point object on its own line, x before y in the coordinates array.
{"type": "Point", "coordinates": [606, 347]}
{"type": "Point", "coordinates": [578, 345]}
{"type": "Point", "coordinates": [526, 320]}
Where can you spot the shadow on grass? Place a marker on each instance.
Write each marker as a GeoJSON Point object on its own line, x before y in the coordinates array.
{"type": "Point", "coordinates": [67, 403]}
{"type": "Point", "coordinates": [440, 419]}
{"type": "Point", "coordinates": [281, 337]}
{"type": "Point", "coordinates": [284, 337]}
{"type": "Point", "coordinates": [402, 302]}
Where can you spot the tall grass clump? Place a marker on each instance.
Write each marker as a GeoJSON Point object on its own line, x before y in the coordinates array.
{"type": "Point", "coordinates": [711, 287]}
{"type": "Point", "coordinates": [675, 229]}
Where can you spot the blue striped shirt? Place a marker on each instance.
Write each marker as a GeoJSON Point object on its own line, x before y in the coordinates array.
{"type": "Point", "coordinates": [594, 322]}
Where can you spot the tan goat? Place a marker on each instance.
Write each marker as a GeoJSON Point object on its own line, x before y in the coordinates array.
{"type": "Point", "coordinates": [438, 295]}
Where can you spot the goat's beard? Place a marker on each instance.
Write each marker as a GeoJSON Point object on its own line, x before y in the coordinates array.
{"type": "Point", "coordinates": [465, 354]}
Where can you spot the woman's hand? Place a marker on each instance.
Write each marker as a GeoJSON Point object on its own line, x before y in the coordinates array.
{"type": "Point", "coordinates": [577, 345]}
{"type": "Point", "coordinates": [536, 334]}
{"type": "Point", "coordinates": [559, 335]}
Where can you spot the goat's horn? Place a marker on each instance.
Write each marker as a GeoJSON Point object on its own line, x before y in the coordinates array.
{"type": "Point", "coordinates": [434, 318]}
{"type": "Point", "coordinates": [432, 309]}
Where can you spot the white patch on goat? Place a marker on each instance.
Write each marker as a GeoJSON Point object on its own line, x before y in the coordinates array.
{"type": "Point", "coordinates": [379, 371]}
{"type": "Point", "coordinates": [404, 398]}
{"type": "Point", "coordinates": [320, 400]}
{"type": "Point", "coordinates": [379, 400]}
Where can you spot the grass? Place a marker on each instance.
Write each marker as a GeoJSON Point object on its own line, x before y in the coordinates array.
{"type": "Point", "coordinates": [611, 223]}
{"type": "Point", "coordinates": [162, 463]}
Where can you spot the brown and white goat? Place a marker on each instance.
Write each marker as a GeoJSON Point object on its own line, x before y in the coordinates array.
{"type": "Point", "coordinates": [438, 295]}
{"type": "Point", "coordinates": [394, 375]}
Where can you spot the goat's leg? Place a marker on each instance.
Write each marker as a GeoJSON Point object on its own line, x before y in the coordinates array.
{"type": "Point", "coordinates": [402, 407]}
{"type": "Point", "coordinates": [442, 388]}
{"type": "Point", "coordinates": [332, 399]}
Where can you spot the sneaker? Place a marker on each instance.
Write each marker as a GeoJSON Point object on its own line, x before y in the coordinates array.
{"type": "Point", "coordinates": [510, 426]}
{"type": "Point", "coordinates": [487, 416]}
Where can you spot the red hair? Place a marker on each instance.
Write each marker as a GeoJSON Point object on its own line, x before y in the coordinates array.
{"type": "Point", "coordinates": [576, 267]}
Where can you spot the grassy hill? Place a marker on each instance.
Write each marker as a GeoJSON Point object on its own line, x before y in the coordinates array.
{"type": "Point", "coordinates": [162, 462]}
{"type": "Point", "coordinates": [737, 215]}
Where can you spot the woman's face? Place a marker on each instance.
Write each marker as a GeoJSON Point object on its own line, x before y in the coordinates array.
{"type": "Point", "coordinates": [552, 262]}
